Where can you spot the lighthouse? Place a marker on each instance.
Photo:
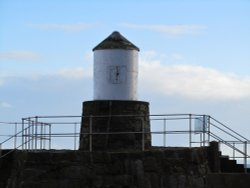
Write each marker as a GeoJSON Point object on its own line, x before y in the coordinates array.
{"type": "Point", "coordinates": [115, 69]}
{"type": "Point", "coordinates": [115, 119]}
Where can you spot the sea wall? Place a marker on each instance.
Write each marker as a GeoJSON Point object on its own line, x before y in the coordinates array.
{"type": "Point", "coordinates": [74, 169]}
{"type": "Point", "coordinates": [154, 168]}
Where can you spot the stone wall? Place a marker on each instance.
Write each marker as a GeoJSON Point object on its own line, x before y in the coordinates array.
{"type": "Point", "coordinates": [103, 117]}
{"type": "Point", "coordinates": [156, 168]}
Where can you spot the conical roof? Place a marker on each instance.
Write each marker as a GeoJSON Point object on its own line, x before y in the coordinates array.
{"type": "Point", "coordinates": [116, 41]}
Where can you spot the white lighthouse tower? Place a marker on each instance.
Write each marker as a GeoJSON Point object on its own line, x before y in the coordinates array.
{"type": "Point", "coordinates": [115, 69]}
{"type": "Point", "coordinates": [115, 118]}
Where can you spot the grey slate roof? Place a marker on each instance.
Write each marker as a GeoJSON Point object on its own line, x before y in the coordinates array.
{"type": "Point", "coordinates": [116, 41]}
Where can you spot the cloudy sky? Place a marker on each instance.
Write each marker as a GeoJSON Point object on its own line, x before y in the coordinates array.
{"type": "Point", "coordinates": [194, 55]}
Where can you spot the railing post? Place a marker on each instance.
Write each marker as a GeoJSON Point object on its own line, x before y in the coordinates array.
{"type": "Point", "coordinates": [22, 133]}
{"type": "Point", "coordinates": [245, 156]}
{"type": "Point", "coordinates": [190, 130]}
{"type": "Point", "coordinates": [36, 133]}
{"type": "Point", "coordinates": [90, 133]}
{"type": "Point", "coordinates": [204, 130]}
{"type": "Point", "coordinates": [15, 138]}
{"type": "Point", "coordinates": [208, 129]}
{"type": "Point", "coordinates": [200, 139]}
{"type": "Point", "coordinates": [28, 134]}
{"type": "Point", "coordinates": [32, 135]}
{"type": "Point", "coordinates": [49, 136]}
{"type": "Point", "coordinates": [233, 150]}
{"type": "Point", "coordinates": [45, 135]}
{"type": "Point", "coordinates": [164, 133]}
{"type": "Point", "coordinates": [41, 135]}
{"type": "Point", "coordinates": [75, 136]}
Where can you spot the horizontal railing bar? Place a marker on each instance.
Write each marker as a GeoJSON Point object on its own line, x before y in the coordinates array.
{"type": "Point", "coordinates": [139, 115]}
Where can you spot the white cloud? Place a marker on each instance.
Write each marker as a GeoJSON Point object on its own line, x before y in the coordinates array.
{"type": "Point", "coordinates": [75, 73]}
{"type": "Point", "coordinates": [195, 82]}
{"type": "Point", "coordinates": [75, 27]}
{"type": "Point", "coordinates": [177, 57]}
{"type": "Point", "coordinates": [64, 73]}
{"type": "Point", "coordinates": [169, 30]}
{"type": "Point", "coordinates": [19, 55]}
{"type": "Point", "coordinates": [2, 79]}
{"type": "Point", "coordinates": [5, 105]}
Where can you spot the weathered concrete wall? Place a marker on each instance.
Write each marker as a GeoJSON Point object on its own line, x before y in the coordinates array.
{"type": "Point", "coordinates": [155, 168]}
{"type": "Point", "coordinates": [115, 116]}
{"type": "Point", "coordinates": [74, 169]}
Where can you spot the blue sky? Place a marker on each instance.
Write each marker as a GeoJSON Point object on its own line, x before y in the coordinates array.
{"type": "Point", "coordinates": [194, 56]}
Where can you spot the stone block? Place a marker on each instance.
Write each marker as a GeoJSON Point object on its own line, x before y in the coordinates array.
{"type": "Point", "coordinates": [150, 164]}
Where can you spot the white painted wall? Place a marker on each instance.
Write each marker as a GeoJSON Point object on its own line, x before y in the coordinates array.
{"type": "Point", "coordinates": [115, 74]}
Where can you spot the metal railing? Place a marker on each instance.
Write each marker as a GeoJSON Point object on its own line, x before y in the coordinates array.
{"type": "Point", "coordinates": [167, 130]}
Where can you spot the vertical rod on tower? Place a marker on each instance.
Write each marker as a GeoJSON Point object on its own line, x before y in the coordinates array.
{"type": "Point", "coordinates": [90, 133]}
{"type": "Point", "coordinates": [143, 135]}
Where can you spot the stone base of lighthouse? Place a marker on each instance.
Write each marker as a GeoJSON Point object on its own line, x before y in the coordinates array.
{"type": "Point", "coordinates": [111, 125]}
